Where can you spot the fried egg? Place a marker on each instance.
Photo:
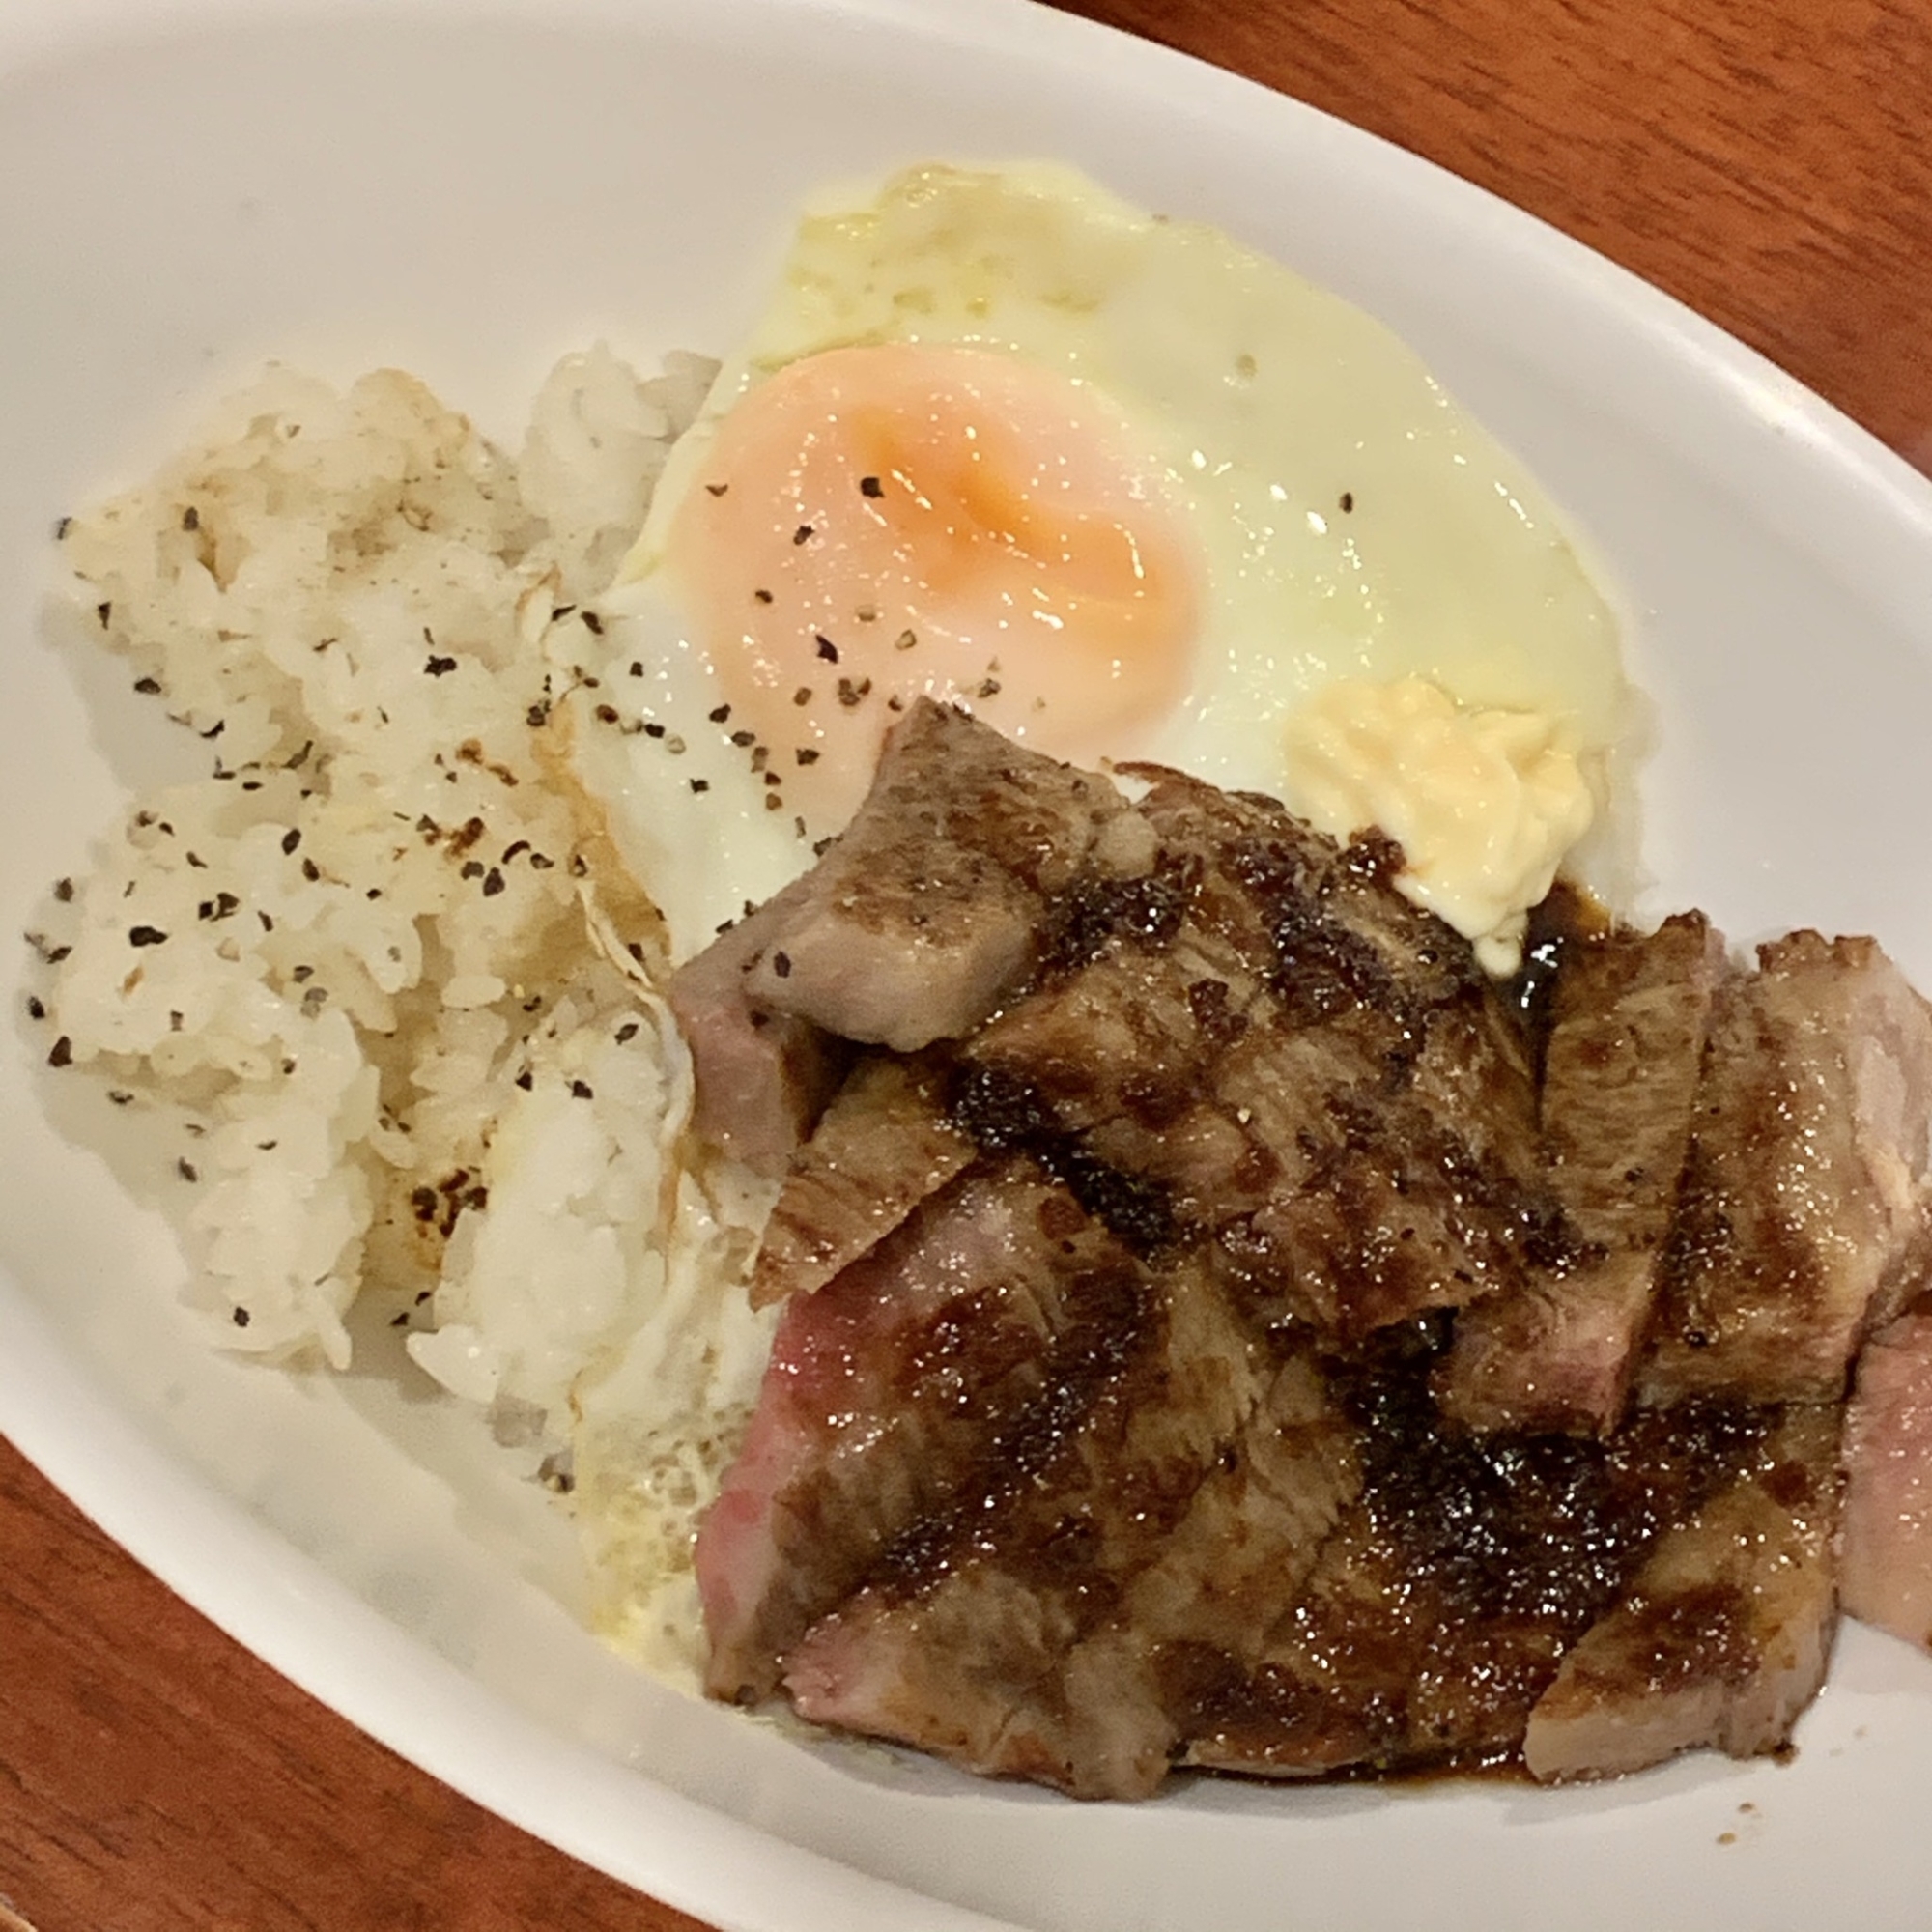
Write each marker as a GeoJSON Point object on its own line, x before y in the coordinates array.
{"type": "Point", "coordinates": [1114, 483]}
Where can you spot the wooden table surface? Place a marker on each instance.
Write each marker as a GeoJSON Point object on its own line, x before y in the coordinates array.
{"type": "Point", "coordinates": [1769, 161]}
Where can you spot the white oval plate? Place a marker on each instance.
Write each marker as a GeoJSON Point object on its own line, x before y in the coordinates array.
{"type": "Point", "coordinates": [188, 187]}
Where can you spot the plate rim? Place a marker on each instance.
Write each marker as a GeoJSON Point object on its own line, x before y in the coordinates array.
{"type": "Point", "coordinates": [131, 1484]}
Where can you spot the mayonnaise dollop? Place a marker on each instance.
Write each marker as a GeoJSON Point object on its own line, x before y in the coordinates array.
{"type": "Point", "coordinates": [1485, 803]}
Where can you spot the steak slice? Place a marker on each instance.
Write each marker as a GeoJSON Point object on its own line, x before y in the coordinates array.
{"type": "Point", "coordinates": [931, 906]}
{"type": "Point", "coordinates": [1801, 1224]}
{"type": "Point", "coordinates": [1253, 1530]}
{"type": "Point", "coordinates": [1885, 1548]}
{"type": "Point", "coordinates": [1439, 1612]}
{"type": "Point", "coordinates": [1723, 1635]}
{"type": "Point", "coordinates": [1408, 1190]}
{"type": "Point", "coordinates": [1628, 1017]}
{"type": "Point", "coordinates": [1042, 1624]}
{"type": "Point", "coordinates": [1285, 1057]}
{"type": "Point", "coordinates": [762, 1077]}
{"type": "Point", "coordinates": [884, 1144]}
{"type": "Point", "coordinates": [884, 1390]}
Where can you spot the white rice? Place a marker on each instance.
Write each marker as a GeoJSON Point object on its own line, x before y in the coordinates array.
{"type": "Point", "coordinates": [376, 972]}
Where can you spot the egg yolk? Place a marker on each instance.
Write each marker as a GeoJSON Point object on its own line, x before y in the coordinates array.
{"type": "Point", "coordinates": [876, 523]}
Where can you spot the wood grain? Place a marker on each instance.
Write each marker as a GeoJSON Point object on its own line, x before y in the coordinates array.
{"type": "Point", "coordinates": [1766, 160]}
{"type": "Point", "coordinates": [155, 1778]}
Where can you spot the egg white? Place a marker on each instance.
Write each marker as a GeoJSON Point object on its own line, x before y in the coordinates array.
{"type": "Point", "coordinates": [1348, 520]}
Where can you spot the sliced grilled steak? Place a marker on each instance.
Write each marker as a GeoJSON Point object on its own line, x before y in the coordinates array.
{"type": "Point", "coordinates": [1215, 1348]}
{"type": "Point", "coordinates": [884, 1391]}
{"type": "Point", "coordinates": [1886, 1550]}
{"type": "Point", "coordinates": [1723, 1635]}
{"type": "Point", "coordinates": [931, 906]}
{"type": "Point", "coordinates": [883, 1145]}
{"type": "Point", "coordinates": [1623, 1058]}
{"type": "Point", "coordinates": [1801, 1222]}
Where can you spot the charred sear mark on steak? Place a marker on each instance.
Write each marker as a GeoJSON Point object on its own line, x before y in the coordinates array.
{"type": "Point", "coordinates": [1004, 1113]}
{"type": "Point", "coordinates": [1223, 1329]}
{"type": "Point", "coordinates": [1101, 907]}
{"type": "Point", "coordinates": [1324, 969]}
